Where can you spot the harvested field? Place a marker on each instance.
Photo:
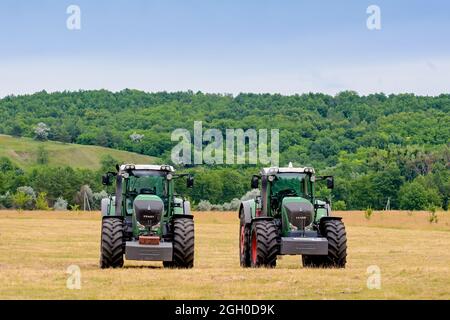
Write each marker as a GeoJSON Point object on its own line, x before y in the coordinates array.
{"type": "Point", "coordinates": [36, 248]}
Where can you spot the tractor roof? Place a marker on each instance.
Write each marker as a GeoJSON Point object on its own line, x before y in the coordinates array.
{"type": "Point", "coordinates": [290, 168]}
{"type": "Point", "coordinates": [168, 168]}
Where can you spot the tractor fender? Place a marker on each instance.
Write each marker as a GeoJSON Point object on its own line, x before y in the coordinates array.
{"type": "Point", "coordinates": [247, 208]}
{"type": "Point", "coordinates": [107, 204]}
{"type": "Point", "coordinates": [112, 217]}
{"type": "Point", "coordinates": [187, 208]}
{"type": "Point", "coordinates": [330, 218]}
{"type": "Point", "coordinates": [328, 207]}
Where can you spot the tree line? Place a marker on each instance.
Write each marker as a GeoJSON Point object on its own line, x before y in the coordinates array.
{"type": "Point", "coordinates": [385, 150]}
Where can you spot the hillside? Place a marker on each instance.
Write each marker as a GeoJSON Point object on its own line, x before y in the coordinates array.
{"type": "Point", "coordinates": [384, 150]}
{"type": "Point", "coordinates": [23, 152]}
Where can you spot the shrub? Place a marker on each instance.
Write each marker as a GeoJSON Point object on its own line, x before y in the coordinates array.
{"type": "Point", "coordinates": [97, 199]}
{"type": "Point", "coordinates": [84, 193]}
{"type": "Point", "coordinates": [433, 218]}
{"type": "Point", "coordinates": [414, 196]}
{"type": "Point", "coordinates": [204, 205]}
{"type": "Point", "coordinates": [41, 131]}
{"type": "Point", "coordinates": [368, 214]}
{"type": "Point", "coordinates": [6, 200]}
{"type": "Point", "coordinates": [217, 207]}
{"type": "Point", "coordinates": [24, 198]}
{"type": "Point", "coordinates": [27, 190]}
{"type": "Point", "coordinates": [340, 205]}
{"type": "Point", "coordinates": [60, 204]}
{"type": "Point", "coordinates": [252, 194]}
{"type": "Point", "coordinates": [21, 200]}
{"type": "Point", "coordinates": [233, 205]}
{"type": "Point", "coordinates": [74, 207]}
{"type": "Point", "coordinates": [41, 201]}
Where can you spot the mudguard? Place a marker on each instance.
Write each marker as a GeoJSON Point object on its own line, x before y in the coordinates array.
{"type": "Point", "coordinates": [248, 209]}
{"type": "Point", "coordinates": [187, 207]}
{"type": "Point", "coordinates": [113, 217]}
{"type": "Point", "coordinates": [330, 218]}
{"type": "Point", "coordinates": [324, 210]}
{"type": "Point", "coordinates": [108, 206]}
{"type": "Point", "coordinates": [182, 206]}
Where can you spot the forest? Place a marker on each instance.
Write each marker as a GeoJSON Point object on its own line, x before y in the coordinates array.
{"type": "Point", "coordinates": [384, 150]}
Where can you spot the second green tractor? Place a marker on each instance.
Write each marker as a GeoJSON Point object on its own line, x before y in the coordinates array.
{"type": "Point", "coordinates": [287, 219]}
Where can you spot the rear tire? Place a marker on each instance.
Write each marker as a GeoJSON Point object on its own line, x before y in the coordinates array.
{"type": "Point", "coordinates": [244, 242]}
{"type": "Point", "coordinates": [334, 230]}
{"type": "Point", "coordinates": [111, 255]}
{"type": "Point", "coordinates": [264, 244]}
{"type": "Point", "coordinates": [183, 244]}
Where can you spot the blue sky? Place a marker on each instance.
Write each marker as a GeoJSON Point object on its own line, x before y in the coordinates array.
{"type": "Point", "coordinates": [225, 46]}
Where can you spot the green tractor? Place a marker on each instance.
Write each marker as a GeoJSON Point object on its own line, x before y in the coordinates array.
{"type": "Point", "coordinates": [287, 219]}
{"type": "Point", "coordinates": [145, 220]}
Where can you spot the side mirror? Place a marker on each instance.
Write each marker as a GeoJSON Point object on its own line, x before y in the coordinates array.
{"type": "Point", "coordinates": [255, 182]}
{"type": "Point", "coordinates": [330, 183]}
{"type": "Point", "coordinates": [190, 182]}
{"type": "Point", "coordinates": [106, 180]}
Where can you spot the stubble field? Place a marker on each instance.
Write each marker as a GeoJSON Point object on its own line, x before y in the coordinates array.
{"type": "Point", "coordinates": [36, 248]}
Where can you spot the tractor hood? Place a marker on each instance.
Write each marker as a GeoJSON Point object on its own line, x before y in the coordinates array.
{"type": "Point", "coordinates": [149, 210]}
{"type": "Point", "coordinates": [297, 213]}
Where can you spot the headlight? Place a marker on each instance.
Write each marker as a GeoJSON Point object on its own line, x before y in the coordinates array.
{"type": "Point", "coordinates": [271, 178]}
{"type": "Point", "coordinates": [169, 176]}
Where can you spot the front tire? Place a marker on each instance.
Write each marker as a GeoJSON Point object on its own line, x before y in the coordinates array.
{"type": "Point", "coordinates": [264, 244]}
{"type": "Point", "coordinates": [111, 255]}
{"type": "Point", "coordinates": [334, 230]}
{"type": "Point", "coordinates": [183, 244]}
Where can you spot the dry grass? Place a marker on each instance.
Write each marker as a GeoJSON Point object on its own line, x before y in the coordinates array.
{"type": "Point", "coordinates": [36, 249]}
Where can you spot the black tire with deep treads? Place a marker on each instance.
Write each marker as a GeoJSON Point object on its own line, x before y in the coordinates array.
{"type": "Point", "coordinates": [111, 255]}
{"type": "Point", "coordinates": [244, 242]}
{"type": "Point", "coordinates": [265, 236]}
{"type": "Point", "coordinates": [183, 243]}
{"type": "Point", "coordinates": [334, 230]}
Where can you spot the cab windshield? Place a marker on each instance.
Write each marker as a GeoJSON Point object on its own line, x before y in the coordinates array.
{"type": "Point", "coordinates": [298, 183]}
{"type": "Point", "coordinates": [147, 182]}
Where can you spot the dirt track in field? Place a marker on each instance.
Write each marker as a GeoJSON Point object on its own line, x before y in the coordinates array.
{"type": "Point", "coordinates": [36, 248]}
